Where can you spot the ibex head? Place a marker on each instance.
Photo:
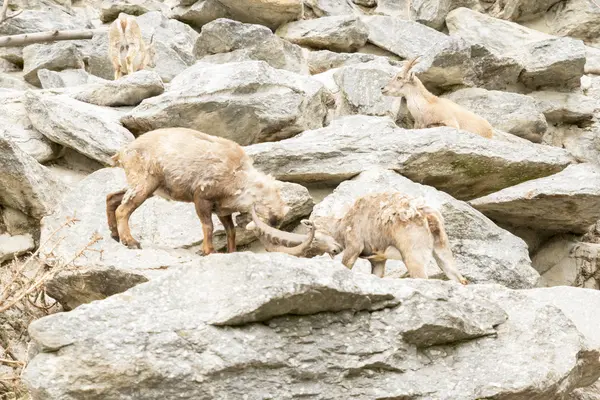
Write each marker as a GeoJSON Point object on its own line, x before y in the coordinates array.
{"type": "Point", "coordinates": [299, 245]}
{"type": "Point", "coordinates": [395, 87]}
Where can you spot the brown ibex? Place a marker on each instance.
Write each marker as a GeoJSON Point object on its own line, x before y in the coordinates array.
{"type": "Point", "coordinates": [429, 110]}
{"type": "Point", "coordinates": [126, 48]}
{"type": "Point", "coordinates": [190, 166]}
{"type": "Point", "coordinates": [372, 224]}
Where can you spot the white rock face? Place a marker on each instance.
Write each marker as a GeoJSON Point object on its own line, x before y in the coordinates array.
{"type": "Point", "coordinates": [563, 202]}
{"type": "Point", "coordinates": [283, 316]}
{"type": "Point", "coordinates": [55, 57]}
{"type": "Point", "coordinates": [247, 102]}
{"type": "Point", "coordinates": [13, 246]}
{"type": "Point", "coordinates": [483, 252]}
{"type": "Point", "coordinates": [460, 163]}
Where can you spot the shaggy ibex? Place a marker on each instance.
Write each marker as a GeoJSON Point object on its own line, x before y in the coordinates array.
{"type": "Point", "coordinates": [374, 223]}
{"type": "Point", "coordinates": [126, 48]}
{"type": "Point", "coordinates": [186, 165]}
{"type": "Point", "coordinates": [429, 110]}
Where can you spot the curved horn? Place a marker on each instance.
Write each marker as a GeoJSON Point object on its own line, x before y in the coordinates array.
{"type": "Point", "coordinates": [275, 240]}
{"type": "Point", "coordinates": [410, 64]}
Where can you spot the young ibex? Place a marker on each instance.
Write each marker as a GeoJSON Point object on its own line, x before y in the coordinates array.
{"type": "Point", "coordinates": [374, 223]}
{"type": "Point", "coordinates": [186, 165]}
{"type": "Point", "coordinates": [126, 48]}
{"type": "Point", "coordinates": [429, 110]}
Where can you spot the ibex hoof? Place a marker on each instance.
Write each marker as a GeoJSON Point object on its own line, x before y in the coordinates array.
{"type": "Point", "coordinates": [133, 245]}
{"type": "Point", "coordinates": [115, 237]}
{"type": "Point", "coordinates": [463, 281]}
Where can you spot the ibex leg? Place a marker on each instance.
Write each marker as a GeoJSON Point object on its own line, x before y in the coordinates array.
{"type": "Point", "coordinates": [113, 200]}
{"type": "Point", "coordinates": [227, 222]}
{"type": "Point", "coordinates": [132, 199]}
{"type": "Point", "coordinates": [204, 210]}
{"type": "Point", "coordinates": [377, 268]}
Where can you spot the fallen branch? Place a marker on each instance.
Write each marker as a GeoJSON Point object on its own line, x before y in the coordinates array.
{"type": "Point", "coordinates": [49, 36]}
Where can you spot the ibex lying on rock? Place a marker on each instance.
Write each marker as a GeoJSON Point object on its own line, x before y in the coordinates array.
{"type": "Point", "coordinates": [186, 165]}
{"type": "Point", "coordinates": [126, 48]}
{"type": "Point", "coordinates": [429, 110]}
{"type": "Point", "coordinates": [374, 223]}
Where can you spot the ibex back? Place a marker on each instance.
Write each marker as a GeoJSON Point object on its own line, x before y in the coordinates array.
{"type": "Point", "coordinates": [126, 47]}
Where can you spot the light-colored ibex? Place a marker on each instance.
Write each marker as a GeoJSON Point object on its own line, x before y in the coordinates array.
{"type": "Point", "coordinates": [429, 110]}
{"type": "Point", "coordinates": [190, 166]}
{"type": "Point", "coordinates": [373, 224]}
{"type": "Point", "coordinates": [126, 47]}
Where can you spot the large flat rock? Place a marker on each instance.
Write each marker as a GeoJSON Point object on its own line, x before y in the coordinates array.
{"type": "Point", "coordinates": [484, 253]}
{"type": "Point", "coordinates": [546, 61]}
{"type": "Point", "coordinates": [170, 233]}
{"type": "Point", "coordinates": [247, 102]}
{"type": "Point", "coordinates": [460, 163]}
{"type": "Point", "coordinates": [54, 57]}
{"type": "Point", "coordinates": [563, 202]}
{"type": "Point", "coordinates": [317, 325]}
{"type": "Point", "coordinates": [86, 128]}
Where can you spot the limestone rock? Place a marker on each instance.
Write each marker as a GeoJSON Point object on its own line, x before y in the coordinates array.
{"type": "Point", "coordinates": [49, 19]}
{"type": "Point", "coordinates": [565, 261]}
{"type": "Point", "coordinates": [547, 61]}
{"type": "Point", "coordinates": [225, 40]}
{"type": "Point", "coordinates": [575, 18]}
{"type": "Point", "coordinates": [325, 8]}
{"type": "Point", "coordinates": [25, 184]}
{"type": "Point", "coordinates": [342, 33]}
{"type": "Point", "coordinates": [565, 108]}
{"type": "Point", "coordinates": [89, 129]}
{"type": "Point", "coordinates": [111, 9]}
{"type": "Point", "coordinates": [66, 78]}
{"type": "Point", "coordinates": [16, 127]}
{"type": "Point", "coordinates": [429, 12]}
{"type": "Point", "coordinates": [169, 232]}
{"type": "Point", "coordinates": [322, 60]}
{"type": "Point", "coordinates": [270, 13]}
{"type": "Point", "coordinates": [592, 60]}
{"type": "Point", "coordinates": [248, 102]}
{"type": "Point", "coordinates": [483, 252]}
{"type": "Point", "coordinates": [460, 163]}
{"type": "Point", "coordinates": [563, 202]}
{"type": "Point", "coordinates": [316, 321]}
{"type": "Point", "coordinates": [12, 82]}
{"type": "Point", "coordinates": [511, 112]}
{"type": "Point", "coordinates": [130, 90]}
{"type": "Point", "coordinates": [14, 246]}
{"type": "Point", "coordinates": [173, 43]}
{"type": "Point", "coordinates": [55, 57]}
{"type": "Point", "coordinates": [521, 10]}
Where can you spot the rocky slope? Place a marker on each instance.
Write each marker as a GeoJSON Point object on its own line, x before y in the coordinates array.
{"type": "Point", "coordinates": [298, 83]}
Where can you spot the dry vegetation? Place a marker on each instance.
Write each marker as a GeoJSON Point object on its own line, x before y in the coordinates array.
{"type": "Point", "coordinates": [23, 299]}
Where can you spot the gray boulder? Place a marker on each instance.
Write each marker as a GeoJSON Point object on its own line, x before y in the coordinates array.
{"type": "Point", "coordinates": [427, 12]}
{"type": "Point", "coordinates": [343, 33]}
{"type": "Point", "coordinates": [25, 184]}
{"type": "Point", "coordinates": [565, 108]}
{"type": "Point", "coordinates": [483, 252]}
{"type": "Point", "coordinates": [309, 322]}
{"type": "Point", "coordinates": [546, 61]}
{"type": "Point", "coordinates": [510, 112]}
{"type": "Point", "coordinates": [270, 13]}
{"type": "Point", "coordinates": [66, 78]}
{"type": "Point", "coordinates": [89, 129]}
{"type": "Point", "coordinates": [460, 163]}
{"type": "Point", "coordinates": [48, 19]}
{"type": "Point", "coordinates": [520, 10]}
{"type": "Point", "coordinates": [566, 261]}
{"type": "Point", "coordinates": [326, 8]}
{"type": "Point", "coordinates": [248, 102]}
{"type": "Point", "coordinates": [322, 60]}
{"type": "Point", "coordinates": [173, 43]}
{"type": "Point", "coordinates": [9, 81]}
{"type": "Point", "coordinates": [16, 127]}
{"type": "Point", "coordinates": [582, 142]}
{"type": "Point", "coordinates": [130, 90]}
{"type": "Point", "coordinates": [225, 40]}
{"type": "Point", "coordinates": [110, 9]}
{"type": "Point", "coordinates": [54, 57]}
{"type": "Point", "coordinates": [170, 233]}
{"type": "Point", "coordinates": [14, 246]}
{"type": "Point", "coordinates": [563, 202]}
{"type": "Point", "coordinates": [575, 18]}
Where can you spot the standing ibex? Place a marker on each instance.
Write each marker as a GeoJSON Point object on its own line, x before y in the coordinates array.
{"type": "Point", "coordinates": [374, 223]}
{"type": "Point", "coordinates": [186, 165]}
{"type": "Point", "coordinates": [429, 110]}
{"type": "Point", "coordinates": [126, 48]}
